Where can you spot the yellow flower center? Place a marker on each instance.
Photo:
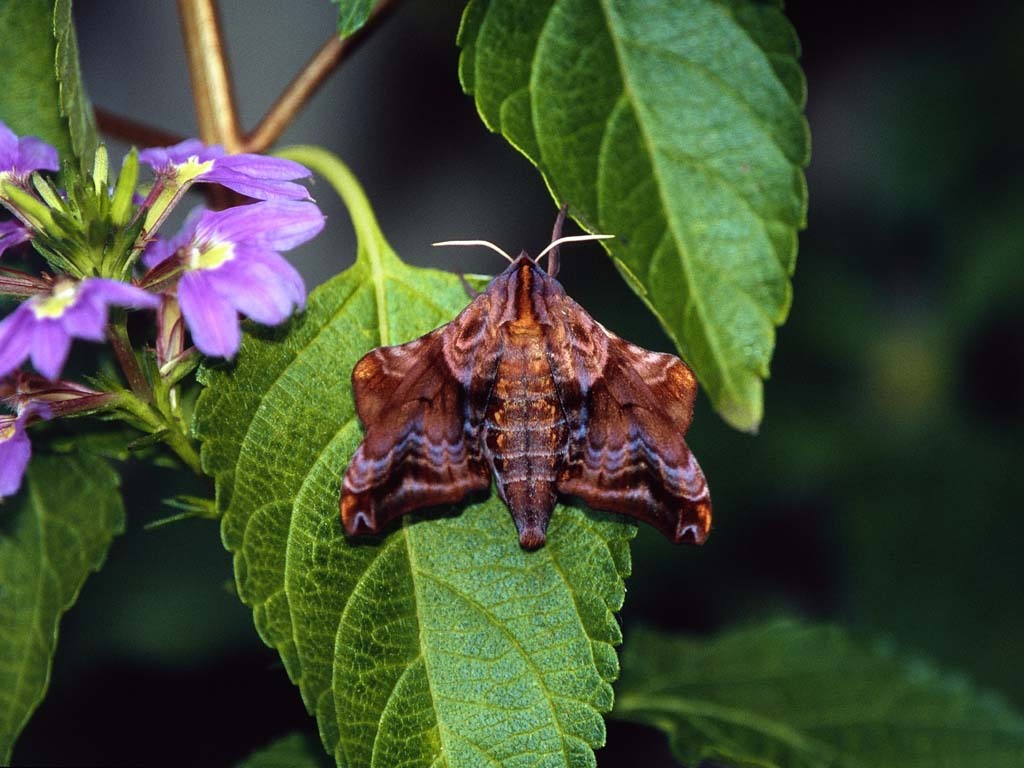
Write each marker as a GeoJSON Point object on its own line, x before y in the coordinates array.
{"type": "Point", "coordinates": [190, 169]}
{"type": "Point", "coordinates": [211, 257]}
{"type": "Point", "coordinates": [6, 433]}
{"type": "Point", "coordinates": [57, 303]}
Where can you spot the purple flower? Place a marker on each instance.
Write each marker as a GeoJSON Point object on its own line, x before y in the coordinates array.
{"type": "Point", "coordinates": [256, 176]}
{"type": "Point", "coordinates": [43, 326]}
{"type": "Point", "coordinates": [231, 265]}
{"type": "Point", "coordinates": [15, 448]}
{"type": "Point", "coordinates": [20, 156]}
{"type": "Point", "coordinates": [12, 233]}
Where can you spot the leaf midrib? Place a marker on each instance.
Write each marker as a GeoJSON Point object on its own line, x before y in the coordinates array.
{"type": "Point", "coordinates": [714, 343]}
{"type": "Point", "coordinates": [375, 262]}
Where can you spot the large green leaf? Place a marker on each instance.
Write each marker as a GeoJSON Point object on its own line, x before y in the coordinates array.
{"type": "Point", "coordinates": [441, 643]}
{"type": "Point", "coordinates": [787, 695]}
{"type": "Point", "coordinates": [677, 126]}
{"type": "Point", "coordinates": [53, 534]}
{"type": "Point", "coordinates": [42, 93]}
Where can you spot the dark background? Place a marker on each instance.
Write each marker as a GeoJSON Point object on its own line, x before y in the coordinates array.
{"type": "Point", "coordinates": [884, 490]}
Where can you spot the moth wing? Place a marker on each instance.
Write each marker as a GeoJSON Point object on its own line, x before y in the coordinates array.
{"type": "Point", "coordinates": [630, 456]}
{"type": "Point", "coordinates": [417, 451]}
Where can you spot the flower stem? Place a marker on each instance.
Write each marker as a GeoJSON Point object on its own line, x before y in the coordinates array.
{"type": "Point", "coordinates": [150, 419]}
{"type": "Point", "coordinates": [117, 330]}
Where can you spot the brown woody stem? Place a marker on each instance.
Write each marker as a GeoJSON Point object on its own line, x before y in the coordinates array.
{"type": "Point", "coordinates": [133, 131]}
{"type": "Point", "coordinates": [212, 88]}
{"type": "Point", "coordinates": [302, 87]}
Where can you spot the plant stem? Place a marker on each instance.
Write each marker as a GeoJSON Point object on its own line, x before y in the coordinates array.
{"type": "Point", "coordinates": [117, 330]}
{"type": "Point", "coordinates": [174, 437]}
{"type": "Point", "coordinates": [212, 87]}
{"type": "Point", "coordinates": [309, 79]}
{"type": "Point", "coordinates": [134, 131]}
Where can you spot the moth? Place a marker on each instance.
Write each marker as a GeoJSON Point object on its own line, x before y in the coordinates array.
{"type": "Point", "coordinates": [524, 386]}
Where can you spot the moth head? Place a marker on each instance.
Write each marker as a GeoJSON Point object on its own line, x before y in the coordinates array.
{"type": "Point", "coordinates": [551, 251]}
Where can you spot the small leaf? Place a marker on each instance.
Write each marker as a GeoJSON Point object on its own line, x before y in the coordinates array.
{"type": "Point", "coordinates": [30, 96]}
{"type": "Point", "coordinates": [442, 642]}
{"type": "Point", "coordinates": [292, 751]}
{"type": "Point", "coordinates": [352, 15]}
{"type": "Point", "coordinates": [52, 535]}
{"type": "Point", "coordinates": [678, 127]}
{"type": "Point", "coordinates": [786, 695]}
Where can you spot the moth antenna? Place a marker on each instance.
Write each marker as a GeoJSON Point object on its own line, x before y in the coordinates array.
{"type": "Point", "coordinates": [568, 239]}
{"type": "Point", "coordinates": [485, 243]}
{"type": "Point", "coordinates": [556, 233]}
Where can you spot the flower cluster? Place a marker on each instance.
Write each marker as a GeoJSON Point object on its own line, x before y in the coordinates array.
{"type": "Point", "coordinates": [222, 264]}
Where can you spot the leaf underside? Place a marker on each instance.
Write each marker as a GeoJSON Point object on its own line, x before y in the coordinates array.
{"type": "Point", "coordinates": [677, 126]}
{"type": "Point", "coordinates": [441, 643]}
{"type": "Point", "coordinates": [52, 535]}
{"type": "Point", "coordinates": [786, 695]}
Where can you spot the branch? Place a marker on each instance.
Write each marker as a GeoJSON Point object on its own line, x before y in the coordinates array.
{"type": "Point", "coordinates": [302, 87]}
{"type": "Point", "coordinates": [134, 132]}
{"type": "Point", "coordinates": [212, 87]}
{"type": "Point", "coordinates": [213, 91]}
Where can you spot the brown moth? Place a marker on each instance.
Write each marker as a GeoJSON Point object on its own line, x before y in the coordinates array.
{"type": "Point", "coordinates": [525, 386]}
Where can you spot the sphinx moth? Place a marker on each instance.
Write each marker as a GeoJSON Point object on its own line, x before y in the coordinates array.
{"type": "Point", "coordinates": [524, 386]}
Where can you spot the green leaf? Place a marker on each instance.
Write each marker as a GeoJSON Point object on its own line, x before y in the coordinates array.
{"type": "Point", "coordinates": [53, 534]}
{"type": "Point", "coordinates": [787, 695]}
{"type": "Point", "coordinates": [292, 751]}
{"type": "Point", "coordinates": [74, 103]}
{"type": "Point", "coordinates": [42, 94]}
{"type": "Point", "coordinates": [30, 97]}
{"type": "Point", "coordinates": [352, 14]}
{"type": "Point", "coordinates": [441, 643]}
{"type": "Point", "coordinates": [677, 126]}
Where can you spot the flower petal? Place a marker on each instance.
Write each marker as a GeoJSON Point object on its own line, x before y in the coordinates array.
{"type": "Point", "coordinates": [15, 452]}
{"type": "Point", "coordinates": [250, 186]}
{"type": "Point", "coordinates": [8, 148]}
{"type": "Point", "coordinates": [15, 338]}
{"type": "Point", "coordinates": [50, 347]}
{"type": "Point", "coordinates": [277, 224]}
{"type": "Point", "coordinates": [158, 158]}
{"type": "Point", "coordinates": [254, 289]}
{"type": "Point", "coordinates": [263, 167]}
{"type": "Point", "coordinates": [13, 233]}
{"type": "Point", "coordinates": [211, 319]}
{"type": "Point", "coordinates": [85, 320]}
{"type": "Point", "coordinates": [36, 155]}
{"type": "Point", "coordinates": [115, 292]}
